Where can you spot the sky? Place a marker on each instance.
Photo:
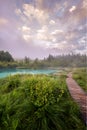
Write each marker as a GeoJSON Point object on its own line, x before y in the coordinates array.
{"type": "Point", "coordinates": [37, 28]}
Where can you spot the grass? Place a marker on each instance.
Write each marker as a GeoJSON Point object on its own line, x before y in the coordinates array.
{"type": "Point", "coordinates": [80, 75]}
{"type": "Point", "coordinates": [37, 103]}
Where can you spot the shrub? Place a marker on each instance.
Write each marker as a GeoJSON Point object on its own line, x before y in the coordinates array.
{"type": "Point", "coordinates": [38, 103]}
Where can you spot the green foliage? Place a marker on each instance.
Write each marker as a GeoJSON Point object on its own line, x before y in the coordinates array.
{"type": "Point", "coordinates": [5, 56]}
{"type": "Point", "coordinates": [37, 103]}
{"type": "Point", "coordinates": [13, 83]}
{"type": "Point", "coordinates": [70, 60]}
{"type": "Point", "coordinates": [7, 65]}
{"type": "Point", "coordinates": [80, 75]}
{"type": "Point", "coordinates": [54, 61]}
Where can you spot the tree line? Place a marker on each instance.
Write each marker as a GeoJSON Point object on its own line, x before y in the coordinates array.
{"type": "Point", "coordinates": [69, 60]}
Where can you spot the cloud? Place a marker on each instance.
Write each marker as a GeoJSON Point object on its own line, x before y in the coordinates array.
{"type": "Point", "coordinates": [44, 29]}
{"type": "Point", "coordinates": [27, 37]}
{"type": "Point", "coordinates": [52, 22]}
{"type": "Point", "coordinates": [84, 4]}
{"type": "Point", "coordinates": [45, 25]}
{"type": "Point", "coordinates": [70, 35]}
{"type": "Point", "coordinates": [62, 47]}
{"type": "Point", "coordinates": [18, 11]}
{"type": "Point", "coordinates": [57, 32]}
{"type": "Point", "coordinates": [82, 40]}
{"type": "Point", "coordinates": [34, 13]}
{"type": "Point", "coordinates": [42, 37]}
{"type": "Point", "coordinates": [26, 29]}
{"type": "Point", "coordinates": [47, 5]}
{"type": "Point", "coordinates": [3, 21]}
{"type": "Point", "coordinates": [26, 33]}
{"type": "Point", "coordinates": [72, 9]}
{"type": "Point", "coordinates": [43, 34]}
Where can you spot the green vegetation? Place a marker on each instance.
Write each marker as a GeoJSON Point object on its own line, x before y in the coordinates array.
{"type": "Point", "coordinates": [8, 65]}
{"type": "Point", "coordinates": [80, 75]}
{"type": "Point", "coordinates": [70, 60]}
{"type": "Point", "coordinates": [6, 56]}
{"type": "Point", "coordinates": [37, 103]}
{"type": "Point", "coordinates": [6, 60]}
{"type": "Point", "coordinates": [54, 61]}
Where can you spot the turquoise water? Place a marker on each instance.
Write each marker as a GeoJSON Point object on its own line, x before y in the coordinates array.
{"type": "Point", "coordinates": [7, 72]}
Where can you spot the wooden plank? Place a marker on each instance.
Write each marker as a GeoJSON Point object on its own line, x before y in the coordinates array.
{"type": "Point", "coordinates": [78, 95]}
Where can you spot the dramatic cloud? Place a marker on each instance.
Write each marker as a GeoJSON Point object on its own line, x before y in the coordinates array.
{"type": "Point", "coordinates": [37, 28]}
{"type": "Point", "coordinates": [34, 13]}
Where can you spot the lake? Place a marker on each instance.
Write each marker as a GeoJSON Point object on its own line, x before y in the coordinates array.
{"type": "Point", "coordinates": [7, 72]}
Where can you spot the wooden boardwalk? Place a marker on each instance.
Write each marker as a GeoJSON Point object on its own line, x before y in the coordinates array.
{"type": "Point", "coordinates": [78, 95]}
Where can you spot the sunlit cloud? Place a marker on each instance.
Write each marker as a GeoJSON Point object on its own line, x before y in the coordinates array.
{"type": "Point", "coordinates": [26, 29]}
{"type": "Point", "coordinates": [34, 13]}
{"type": "Point", "coordinates": [52, 22]}
{"type": "Point", "coordinates": [57, 32]}
{"type": "Point", "coordinates": [42, 37]}
{"type": "Point", "coordinates": [72, 9]}
{"type": "Point", "coordinates": [27, 37]}
{"type": "Point", "coordinates": [44, 29]}
{"type": "Point", "coordinates": [47, 25]}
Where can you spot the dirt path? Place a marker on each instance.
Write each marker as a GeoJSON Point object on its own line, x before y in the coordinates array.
{"type": "Point", "coordinates": [78, 95]}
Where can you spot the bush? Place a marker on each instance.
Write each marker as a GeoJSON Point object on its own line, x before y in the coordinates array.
{"type": "Point", "coordinates": [38, 103]}
{"type": "Point", "coordinates": [13, 83]}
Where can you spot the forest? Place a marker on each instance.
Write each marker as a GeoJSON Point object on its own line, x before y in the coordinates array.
{"type": "Point", "coordinates": [69, 60]}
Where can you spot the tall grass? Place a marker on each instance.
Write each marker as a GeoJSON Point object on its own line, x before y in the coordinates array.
{"type": "Point", "coordinates": [37, 103]}
{"type": "Point", "coordinates": [80, 75]}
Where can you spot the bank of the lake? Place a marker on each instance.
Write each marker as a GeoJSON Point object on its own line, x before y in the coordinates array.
{"type": "Point", "coordinates": [8, 72]}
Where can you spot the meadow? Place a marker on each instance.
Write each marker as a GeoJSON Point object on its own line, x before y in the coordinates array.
{"type": "Point", "coordinates": [80, 75]}
{"type": "Point", "coordinates": [37, 102]}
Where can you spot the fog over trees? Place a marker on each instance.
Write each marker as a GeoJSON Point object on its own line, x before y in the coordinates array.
{"type": "Point", "coordinates": [69, 60]}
